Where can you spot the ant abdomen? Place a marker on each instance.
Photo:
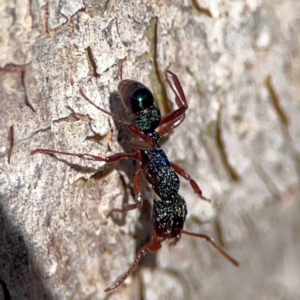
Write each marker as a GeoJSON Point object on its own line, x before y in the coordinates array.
{"type": "Point", "coordinates": [169, 216]}
{"type": "Point", "coordinates": [139, 101]}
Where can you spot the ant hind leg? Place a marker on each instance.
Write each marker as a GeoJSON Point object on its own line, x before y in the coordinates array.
{"type": "Point", "coordinates": [192, 182]}
{"type": "Point", "coordinates": [154, 245]}
{"type": "Point", "coordinates": [138, 201]}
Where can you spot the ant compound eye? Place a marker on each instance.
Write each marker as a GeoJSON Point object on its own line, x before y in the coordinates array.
{"type": "Point", "coordinates": [136, 96]}
{"type": "Point", "coordinates": [142, 98]}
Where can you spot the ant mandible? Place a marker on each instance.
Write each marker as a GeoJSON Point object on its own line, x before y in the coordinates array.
{"type": "Point", "coordinates": [169, 211]}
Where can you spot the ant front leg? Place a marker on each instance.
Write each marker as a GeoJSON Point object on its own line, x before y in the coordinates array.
{"type": "Point", "coordinates": [188, 177]}
{"type": "Point", "coordinates": [138, 201]}
{"type": "Point", "coordinates": [175, 118]}
{"type": "Point", "coordinates": [109, 159]}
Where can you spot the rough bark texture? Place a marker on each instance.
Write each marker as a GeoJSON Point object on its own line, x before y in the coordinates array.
{"type": "Point", "coordinates": [239, 65]}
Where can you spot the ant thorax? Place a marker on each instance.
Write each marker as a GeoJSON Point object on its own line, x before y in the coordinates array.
{"type": "Point", "coordinates": [148, 119]}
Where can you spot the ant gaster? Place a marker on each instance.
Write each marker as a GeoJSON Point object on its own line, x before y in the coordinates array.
{"type": "Point", "coordinates": [169, 211]}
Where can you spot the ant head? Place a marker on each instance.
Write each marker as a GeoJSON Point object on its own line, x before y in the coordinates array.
{"type": "Point", "coordinates": [136, 96]}
{"type": "Point", "coordinates": [139, 101]}
{"type": "Point", "coordinates": [169, 216]}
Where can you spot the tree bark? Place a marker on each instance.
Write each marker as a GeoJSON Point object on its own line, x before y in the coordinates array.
{"type": "Point", "coordinates": [239, 65]}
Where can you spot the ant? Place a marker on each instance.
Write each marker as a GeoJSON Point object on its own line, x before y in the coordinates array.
{"type": "Point", "coordinates": [169, 212]}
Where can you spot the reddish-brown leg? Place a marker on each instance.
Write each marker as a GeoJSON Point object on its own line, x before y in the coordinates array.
{"type": "Point", "coordinates": [175, 240]}
{"type": "Point", "coordinates": [138, 201]}
{"type": "Point", "coordinates": [131, 127]}
{"type": "Point", "coordinates": [154, 245]}
{"type": "Point", "coordinates": [108, 159]}
{"type": "Point", "coordinates": [137, 190]}
{"type": "Point", "coordinates": [140, 145]}
{"type": "Point", "coordinates": [188, 177]}
{"type": "Point", "coordinates": [212, 242]}
{"type": "Point", "coordinates": [175, 118]}
{"type": "Point", "coordinates": [11, 142]}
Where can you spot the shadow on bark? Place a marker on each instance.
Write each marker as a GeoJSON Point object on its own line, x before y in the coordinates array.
{"type": "Point", "coordinates": [19, 277]}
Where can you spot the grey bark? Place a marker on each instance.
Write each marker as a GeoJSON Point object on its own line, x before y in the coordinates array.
{"type": "Point", "coordinates": [239, 65]}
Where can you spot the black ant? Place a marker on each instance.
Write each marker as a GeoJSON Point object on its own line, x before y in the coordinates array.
{"type": "Point", "coordinates": [169, 212]}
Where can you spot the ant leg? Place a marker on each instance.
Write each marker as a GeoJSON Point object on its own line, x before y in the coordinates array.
{"type": "Point", "coordinates": [175, 118]}
{"type": "Point", "coordinates": [178, 88]}
{"type": "Point", "coordinates": [192, 182]}
{"type": "Point", "coordinates": [171, 125]}
{"type": "Point", "coordinates": [108, 159]}
{"type": "Point", "coordinates": [137, 191]}
{"type": "Point", "coordinates": [154, 245]}
{"type": "Point", "coordinates": [175, 240]}
{"type": "Point", "coordinates": [137, 144]}
{"type": "Point", "coordinates": [131, 127]}
{"type": "Point", "coordinates": [211, 241]}
{"type": "Point", "coordinates": [138, 201]}
{"type": "Point", "coordinates": [140, 145]}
